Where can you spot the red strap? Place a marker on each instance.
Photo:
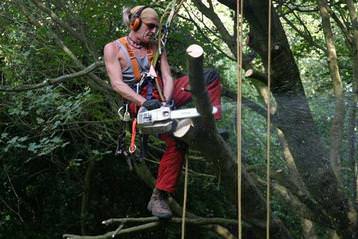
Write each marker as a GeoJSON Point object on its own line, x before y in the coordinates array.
{"type": "Point", "coordinates": [132, 146]}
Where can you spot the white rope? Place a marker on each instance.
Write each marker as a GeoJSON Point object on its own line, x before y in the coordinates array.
{"type": "Point", "coordinates": [185, 198]}
{"type": "Point", "coordinates": [268, 144]}
{"type": "Point", "coordinates": [239, 45]}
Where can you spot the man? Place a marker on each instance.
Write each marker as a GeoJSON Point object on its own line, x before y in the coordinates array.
{"type": "Point", "coordinates": [126, 60]}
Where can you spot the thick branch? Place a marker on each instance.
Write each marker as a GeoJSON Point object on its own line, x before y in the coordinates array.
{"type": "Point", "coordinates": [251, 73]}
{"type": "Point", "coordinates": [56, 80]}
{"type": "Point", "coordinates": [338, 120]}
{"type": "Point", "coordinates": [150, 222]}
{"type": "Point", "coordinates": [200, 95]}
{"type": "Point", "coordinates": [116, 232]}
{"type": "Point", "coordinates": [194, 221]}
{"type": "Point", "coordinates": [204, 137]}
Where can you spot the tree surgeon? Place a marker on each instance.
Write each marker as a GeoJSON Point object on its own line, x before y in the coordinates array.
{"type": "Point", "coordinates": [128, 60]}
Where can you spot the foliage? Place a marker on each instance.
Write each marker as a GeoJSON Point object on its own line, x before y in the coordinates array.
{"type": "Point", "coordinates": [50, 138]}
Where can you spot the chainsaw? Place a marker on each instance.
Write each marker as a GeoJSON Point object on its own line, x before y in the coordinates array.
{"type": "Point", "coordinates": [163, 119]}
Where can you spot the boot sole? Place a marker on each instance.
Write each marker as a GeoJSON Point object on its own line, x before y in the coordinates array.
{"type": "Point", "coordinates": [158, 215]}
{"type": "Point", "coordinates": [162, 216]}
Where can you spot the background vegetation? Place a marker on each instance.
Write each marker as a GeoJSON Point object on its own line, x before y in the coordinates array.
{"type": "Point", "coordinates": [58, 169]}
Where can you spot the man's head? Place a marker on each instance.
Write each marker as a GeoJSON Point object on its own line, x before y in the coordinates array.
{"type": "Point", "coordinates": [142, 20]}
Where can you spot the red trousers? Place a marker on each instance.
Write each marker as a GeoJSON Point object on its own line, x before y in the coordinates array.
{"type": "Point", "coordinates": [173, 157]}
{"type": "Point", "coordinates": [172, 160]}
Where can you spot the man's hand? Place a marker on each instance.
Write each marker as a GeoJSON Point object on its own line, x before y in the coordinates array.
{"type": "Point", "coordinates": [152, 104]}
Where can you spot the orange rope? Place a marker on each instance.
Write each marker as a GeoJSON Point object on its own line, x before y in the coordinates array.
{"type": "Point", "coordinates": [133, 147]}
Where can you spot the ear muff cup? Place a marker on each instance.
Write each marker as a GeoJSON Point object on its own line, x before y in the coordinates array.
{"type": "Point", "coordinates": [136, 22]}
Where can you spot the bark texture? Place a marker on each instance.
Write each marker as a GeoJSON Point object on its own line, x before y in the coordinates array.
{"type": "Point", "coordinates": [338, 119]}
{"type": "Point", "coordinates": [204, 137]}
{"type": "Point", "coordinates": [295, 120]}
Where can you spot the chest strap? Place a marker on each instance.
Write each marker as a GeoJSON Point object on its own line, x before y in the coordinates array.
{"type": "Point", "coordinates": [134, 61]}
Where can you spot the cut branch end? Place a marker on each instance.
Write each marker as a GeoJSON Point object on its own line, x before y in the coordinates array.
{"type": "Point", "coordinates": [195, 51]}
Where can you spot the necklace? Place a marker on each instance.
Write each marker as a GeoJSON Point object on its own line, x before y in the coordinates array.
{"type": "Point", "coordinates": [134, 43]}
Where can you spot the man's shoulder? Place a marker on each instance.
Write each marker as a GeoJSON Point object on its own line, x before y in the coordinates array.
{"type": "Point", "coordinates": [110, 50]}
{"type": "Point", "coordinates": [109, 47]}
{"type": "Point", "coordinates": [112, 43]}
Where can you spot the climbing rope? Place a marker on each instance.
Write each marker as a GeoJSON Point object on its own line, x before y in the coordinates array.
{"type": "Point", "coordinates": [240, 15]}
{"type": "Point", "coordinates": [185, 198]}
{"type": "Point", "coordinates": [132, 146]}
{"type": "Point", "coordinates": [239, 45]}
{"type": "Point", "coordinates": [268, 145]}
{"type": "Point", "coordinates": [170, 12]}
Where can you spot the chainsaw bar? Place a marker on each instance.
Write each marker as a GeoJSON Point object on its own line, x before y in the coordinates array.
{"type": "Point", "coordinates": [187, 113]}
{"type": "Point", "coordinates": [165, 113]}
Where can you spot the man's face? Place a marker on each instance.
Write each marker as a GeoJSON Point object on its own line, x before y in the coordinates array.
{"type": "Point", "coordinates": [147, 30]}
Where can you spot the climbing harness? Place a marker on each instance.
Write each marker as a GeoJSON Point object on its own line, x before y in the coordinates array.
{"type": "Point", "coordinates": [147, 79]}
{"type": "Point", "coordinates": [133, 58]}
{"type": "Point", "coordinates": [141, 80]}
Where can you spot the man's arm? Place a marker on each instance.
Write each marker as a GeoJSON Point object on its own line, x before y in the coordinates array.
{"type": "Point", "coordinates": [114, 72]}
{"type": "Point", "coordinates": [168, 82]}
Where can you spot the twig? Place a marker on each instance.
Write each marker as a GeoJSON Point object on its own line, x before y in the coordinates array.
{"type": "Point", "coordinates": [110, 234]}
{"type": "Point", "coordinates": [116, 232]}
{"type": "Point", "coordinates": [63, 25]}
{"type": "Point", "coordinates": [17, 198]}
{"type": "Point", "coordinates": [210, 13]}
{"type": "Point", "coordinates": [204, 35]}
{"type": "Point", "coordinates": [194, 221]}
{"type": "Point", "coordinates": [150, 222]}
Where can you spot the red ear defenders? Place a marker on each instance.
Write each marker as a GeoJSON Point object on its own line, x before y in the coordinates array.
{"type": "Point", "coordinates": [136, 22]}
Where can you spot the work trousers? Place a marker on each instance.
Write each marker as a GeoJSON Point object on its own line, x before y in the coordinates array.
{"type": "Point", "coordinates": [172, 160]}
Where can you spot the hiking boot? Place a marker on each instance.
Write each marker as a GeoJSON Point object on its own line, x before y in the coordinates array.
{"type": "Point", "coordinates": [158, 205]}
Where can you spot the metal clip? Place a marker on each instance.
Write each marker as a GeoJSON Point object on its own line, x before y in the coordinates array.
{"type": "Point", "coordinates": [119, 112]}
{"type": "Point", "coordinates": [126, 116]}
{"type": "Point", "coordinates": [132, 148]}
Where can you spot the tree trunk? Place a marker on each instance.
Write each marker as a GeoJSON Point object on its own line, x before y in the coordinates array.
{"type": "Point", "coordinates": [354, 101]}
{"type": "Point", "coordinates": [205, 138]}
{"type": "Point", "coordinates": [295, 120]}
{"type": "Point", "coordinates": [338, 119]}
